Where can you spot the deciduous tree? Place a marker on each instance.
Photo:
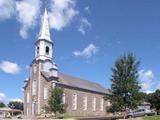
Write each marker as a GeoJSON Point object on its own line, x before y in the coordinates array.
{"type": "Point", "coordinates": [2, 105]}
{"type": "Point", "coordinates": [55, 102]}
{"type": "Point", "coordinates": [125, 89]}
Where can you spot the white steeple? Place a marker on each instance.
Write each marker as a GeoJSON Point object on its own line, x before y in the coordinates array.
{"type": "Point", "coordinates": [44, 30]}
{"type": "Point", "coordinates": [44, 44]}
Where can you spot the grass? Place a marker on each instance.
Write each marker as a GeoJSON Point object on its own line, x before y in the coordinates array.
{"type": "Point", "coordinates": [152, 118]}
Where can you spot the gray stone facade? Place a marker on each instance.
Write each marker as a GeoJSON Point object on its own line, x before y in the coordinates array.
{"type": "Point", "coordinates": [39, 102]}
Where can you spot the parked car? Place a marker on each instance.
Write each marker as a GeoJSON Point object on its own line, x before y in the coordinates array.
{"type": "Point", "coordinates": [140, 112]}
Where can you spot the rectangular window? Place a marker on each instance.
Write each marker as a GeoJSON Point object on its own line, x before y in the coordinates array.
{"type": "Point", "coordinates": [94, 104]}
{"type": "Point", "coordinates": [64, 98]}
{"type": "Point", "coordinates": [108, 104]}
{"type": "Point", "coordinates": [34, 87]}
{"type": "Point", "coordinates": [74, 102]}
{"type": "Point", "coordinates": [102, 103]}
{"type": "Point", "coordinates": [85, 103]}
{"type": "Point", "coordinates": [27, 97]}
{"type": "Point", "coordinates": [45, 93]}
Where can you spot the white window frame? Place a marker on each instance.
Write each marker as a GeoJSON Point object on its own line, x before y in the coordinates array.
{"type": "Point", "coordinates": [45, 93]}
{"type": "Point", "coordinates": [74, 102]}
{"type": "Point", "coordinates": [102, 104]}
{"type": "Point", "coordinates": [94, 104]}
{"type": "Point", "coordinates": [85, 100]}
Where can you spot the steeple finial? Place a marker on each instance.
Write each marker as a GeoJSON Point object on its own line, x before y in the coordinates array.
{"type": "Point", "coordinates": [46, 4]}
{"type": "Point", "coordinates": [44, 30]}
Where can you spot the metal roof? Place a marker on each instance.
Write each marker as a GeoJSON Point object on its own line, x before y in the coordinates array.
{"type": "Point", "coordinates": [77, 82]}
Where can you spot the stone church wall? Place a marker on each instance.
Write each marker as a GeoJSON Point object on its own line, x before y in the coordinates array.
{"type": "Point", "coordinates": [80, 111]}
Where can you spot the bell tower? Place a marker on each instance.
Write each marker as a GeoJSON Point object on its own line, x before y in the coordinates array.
{"type": "Point", "coordinates": [44, 44]}
{"type": "Point", "coordinates": [44, 47]}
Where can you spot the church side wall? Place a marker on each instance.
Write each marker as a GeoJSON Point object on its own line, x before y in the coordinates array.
{"type": "Point", "coordinates": [80, 107]}
{"type": "Point", "coordinates": [69, 92]}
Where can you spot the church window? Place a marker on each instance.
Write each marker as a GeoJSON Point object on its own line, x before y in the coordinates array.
{"type": "Point", "coordinates": [101, 104]}
{"type": "Point", "coordinates": [108, 103]}
{"type": "Point", "coordinates": [38, 50]}
{"type": "Point", "coordinates": [74, 102]}
{"type": "Point", "coordinates": [85, 103]}
{"type": "Point", "coordinates": [27, 97]}
{"type": "Point", "coordinates": [47, 50]}
{"type": "Point", "coordinates": [45, 92]}
{"type": "Point", "coordinates": [33, 107]}
{"type": "Point", "coordinates": [34, 87]}
{"type": "Point", "coordinates": [94, 104]}
{"type": "Point", "coordinates": [64, 98]}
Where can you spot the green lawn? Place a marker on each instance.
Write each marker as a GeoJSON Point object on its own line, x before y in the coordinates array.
{"type": "Point", "coordinates": [152, 118]}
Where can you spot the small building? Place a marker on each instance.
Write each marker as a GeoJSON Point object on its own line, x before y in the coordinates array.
{"type": "Point", "coordinates": [145, 105]}
{"type": "Point", "coordinates": [8, 112]}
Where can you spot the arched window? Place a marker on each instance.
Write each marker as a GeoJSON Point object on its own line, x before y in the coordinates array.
{"type": "Point", "coordinates": [34, 87]}
{"type": "Point", "coordinates": [38, 50]}
{"type": "Point", "coordinates": [47, 50]}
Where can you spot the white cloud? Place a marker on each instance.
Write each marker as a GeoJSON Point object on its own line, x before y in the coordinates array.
{"type": "Point", "coordinates": [2, 97]}
{"type": "Point", "coordinates": [147, 80]}
{"type": "Point", "coordinates": [5, 99]}
{"type": "Point", "coordinates": [10, 67]}
{"type": "Point", "coordinates": [7, 9]}
{"type": "Point", "coordinates": [62, 13]}
{"type": "Point", "coordinates": [149, 91]}
{"type": "Point", "coordinates": [27, 14]}
{"type": "Point", "coordinates": [16, 99]}
{"type": "Point", "coordinates": [87, 9]}
{"type": "Point", "coordinates": [87, 52]}
{"type": "Point", "coordinates": [84, 26]}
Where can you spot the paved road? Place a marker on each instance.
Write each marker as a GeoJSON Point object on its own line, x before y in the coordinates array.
{"type": "Point", "coordinates": [103, 118]}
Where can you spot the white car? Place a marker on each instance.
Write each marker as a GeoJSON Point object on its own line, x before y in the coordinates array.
{"type": "Point", "coordinates": [141, 112]}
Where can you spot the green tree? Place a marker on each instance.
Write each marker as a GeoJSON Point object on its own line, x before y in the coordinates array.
{"type": "Point", "coordinates": [16, 105]}
{"type": "Point", "coordinates": [55, 102]}
{"type": "Point", "coordinates": [125, 89]}
{"type": "Point", "coordinates": [154, 99]}
{"type": "Point", "coordinates": [2, 105]}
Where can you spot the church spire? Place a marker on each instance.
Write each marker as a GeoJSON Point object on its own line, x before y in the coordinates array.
{"type": "Point", "coordinates": [44, 44]}
{"type": "Point", "coordinates": [44, 30]}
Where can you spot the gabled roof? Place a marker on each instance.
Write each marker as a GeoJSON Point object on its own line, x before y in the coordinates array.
{"type": "Point", "coordinates": [77, 83]}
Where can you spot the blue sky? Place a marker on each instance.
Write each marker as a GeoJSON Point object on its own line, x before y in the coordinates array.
{"type": "Point", "coordinates": [88, 37]}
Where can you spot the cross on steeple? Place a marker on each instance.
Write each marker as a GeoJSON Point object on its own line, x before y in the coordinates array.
{"type": "Point", "coordinates": [46, 4]}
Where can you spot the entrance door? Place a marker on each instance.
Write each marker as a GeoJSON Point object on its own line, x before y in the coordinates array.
{"type": "Point", "coordinates": [33, 108]}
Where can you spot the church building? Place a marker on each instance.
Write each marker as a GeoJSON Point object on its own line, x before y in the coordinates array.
{"type": "Point", "coordinates": [82, 97]}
